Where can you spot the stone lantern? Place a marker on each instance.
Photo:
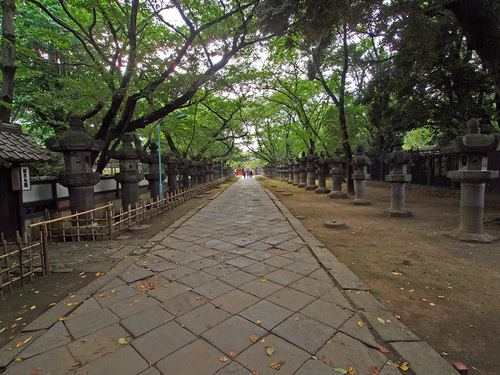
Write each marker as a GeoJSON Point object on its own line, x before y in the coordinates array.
{"type": "Point", "coordinates": [360, 174]}
{"type": "Point", "coordinates": [77, 148]}
{"type": "Point", "coordinates": [184, 171]}
{"type": "Point", "coordinates": [398, 176]}
{"type": "Point", "coordinates": [290, 172]}
{"type": "Point", "coordinates": [311, 170]}
{"type": "Point", "coordinates": [296, 172]}
{"type": "Point", "coordinates": [129, 176]}
{"type": "Point", "coordinates": [154, 170]}
{"type": "Point", "coordinates": [322, 171]}
{"type": "Point", "coordinates": [337, 176]}
{"type": "Point", "coordinates": [172, 173]}
{"type": "Point", "coordinates": [193, 172]}
{"type": "Point", "coordinates": [200, 168]}
{"type": "Point", "coordinates": [302, 171]}
{"type": "Point", "coordinates": [472, 174]}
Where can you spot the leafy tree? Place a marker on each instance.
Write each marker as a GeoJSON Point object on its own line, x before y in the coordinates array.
{"type": "Point", "coordinates": [8, 64]}
{"type": "Point", "coordinates": [432, 80]}
{"type": "Point", "coordinates": [144, 66]}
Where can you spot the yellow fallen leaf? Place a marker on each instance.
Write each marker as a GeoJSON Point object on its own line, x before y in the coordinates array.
{"type": "Point", "coordinates": [137, 300]}
{"type": "Point", "coordinates": [432, 304]}
{"type": "Point", "coordinates": [405, 366]}
{"type": "Point", "coordinates": [232, 353]}
{"type": "Point", "coordinates": [259, 321]}
{"type": "Point", "coordinates": [223, 359]}
{"type": "Point", "coordinates": [254, 337]}
{"type": "Point", "coordinates": [18, 360]}
{"type": "Point", "coordinates": [33, 307]}
{"type": "Point", "coordinates": [442, 297]}
{"type": "Point", "coordinates": [361, 324]}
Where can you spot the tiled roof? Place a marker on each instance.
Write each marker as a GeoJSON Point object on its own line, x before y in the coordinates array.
{"type": "Point", "coordinates": [16, 146]}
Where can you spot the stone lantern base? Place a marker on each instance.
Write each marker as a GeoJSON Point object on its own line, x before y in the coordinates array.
{"type": "Point", "coordinates": [471, 237]}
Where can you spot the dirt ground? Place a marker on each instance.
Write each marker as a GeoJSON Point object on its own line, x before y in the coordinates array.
{"type": "Point", "coordinates": [444, 290]}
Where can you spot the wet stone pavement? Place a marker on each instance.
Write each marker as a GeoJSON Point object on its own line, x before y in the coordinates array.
{"type": "Point", "coordinates": [238, 286]}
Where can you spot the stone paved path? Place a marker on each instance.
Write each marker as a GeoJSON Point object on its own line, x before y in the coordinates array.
{"type": "Point", "coordinates": [236, 287]}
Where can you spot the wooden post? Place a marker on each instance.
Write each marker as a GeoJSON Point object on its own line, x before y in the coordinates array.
{"type": "Point", "coordinates": [109, 214]}
{"type": "Point", "coordinates": [45, 249]}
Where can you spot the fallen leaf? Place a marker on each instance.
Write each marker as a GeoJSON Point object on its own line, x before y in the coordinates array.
{"type": "Point", "coordinates": [254, 337]}
{"type": "Point", "coordinates": [33, 307]}
{"type": "Point", "coordinates": [270, 351]}
{"type": "Point", "coordinates": [137, 300]}
{"type": "Point", "coordinates": [351, 371]}
{"type": "Point", "coordinates": [232, 353]}
{"type": "Point", "coordinates": [405, 366]}
{"type": "Point", "coordinates": [199, 298]}
{"type": "Point", "coordinates": [383, 350]}
{"type": "Point", "coordinates": [3, 329]}
{"type": "Point", "coordinates": [361, 324]}
{"type": "Point", "coordinates": [52, 304]}
{"type": "Point", "coordinates": [36, 371]}
{"type": "Point", "coordinates": [223, 359]}
{"type": "Point", "coordinates": [122, 341]}
{"type": "Point", "coordinates": [18, 360]}
{"type": "Point", "coordinates": [258, 321]}
{"type": "Point", "coordinates": [341, 370]}
{"type": "Point", "coordinates": [381, 320]}
{"type": "Point", "coordinates": [432, 304]}
{"type": "Point", "coordinates": [296, 318]}
{"type": "Point", "coordinates": [277, 365]}
{"type": "Point", "coordinates": [374, 370]}
{"type": "Point", "coordinates": [76, 365]}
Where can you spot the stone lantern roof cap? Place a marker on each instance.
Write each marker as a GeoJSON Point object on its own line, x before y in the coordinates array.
{"type": "Point", "coordinates": [398, 156]}
{"type": "Point", "coordinates": [473, 141]}
{"type": "Point", "coordinates": [360, 159]}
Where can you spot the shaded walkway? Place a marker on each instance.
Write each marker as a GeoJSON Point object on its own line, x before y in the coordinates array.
{"type": "Point", "coordinates": [234, 287]}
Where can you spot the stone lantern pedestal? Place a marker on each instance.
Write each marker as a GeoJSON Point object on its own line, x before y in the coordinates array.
{"type": "Point", "coordinates": [172, 173]}
{"type": "Point", "coordinates": [311, 171]}
{"type": "Point", "coordinates": [302, 171]}
{"type": "Point", "coordinates": [77, 148]}
{"type": "Point", "coordinates": [472, 175]}
{"type": "Point", "coordinates": [398, 177]}
{"type": "Point", "coordinates": [337, 176]}
{"type": "Point", "coordinates": [200, 172]}
{"type": "Point", "coordinates": [322, 171]}
{"type": "Point", "coordinates": [360, 175]}
{"type": "Point", "coordinates": [296, 172]}
{"type": "Point", "coordinates": [154, 171]}
{"type": "Point", "coordinates": [184, 170]}
{"type": "Point", "coordinates": [129, 176]}
{"type": "Point", "coordinates": [290, 172]}
{"type": "Point", "coordinates": [193, 170]}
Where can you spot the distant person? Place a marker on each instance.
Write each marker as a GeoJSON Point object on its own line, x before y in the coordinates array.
{"type": "Point", "coordinates": [244, 173]}
{"type": "Point", "coordinates": [251, 172]}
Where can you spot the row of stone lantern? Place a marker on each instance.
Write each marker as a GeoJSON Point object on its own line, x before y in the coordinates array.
{"type": "Point", "coordinates": [80, 180]}
{"type": "Point", "coordinates": [472, 174]}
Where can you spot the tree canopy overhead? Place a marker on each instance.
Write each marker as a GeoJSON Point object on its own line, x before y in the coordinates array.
{"type": "Point", "coordinates": [280, 76]}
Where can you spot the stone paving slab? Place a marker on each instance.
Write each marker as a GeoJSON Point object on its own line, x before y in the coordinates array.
{"type": "Point", "coordinates": [211, 294]}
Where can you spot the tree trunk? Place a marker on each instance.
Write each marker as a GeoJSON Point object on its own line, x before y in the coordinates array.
{"type": "Point", "coordinates": [482, 30]}
{"type": "Point", "coordinates": [8, 64]}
